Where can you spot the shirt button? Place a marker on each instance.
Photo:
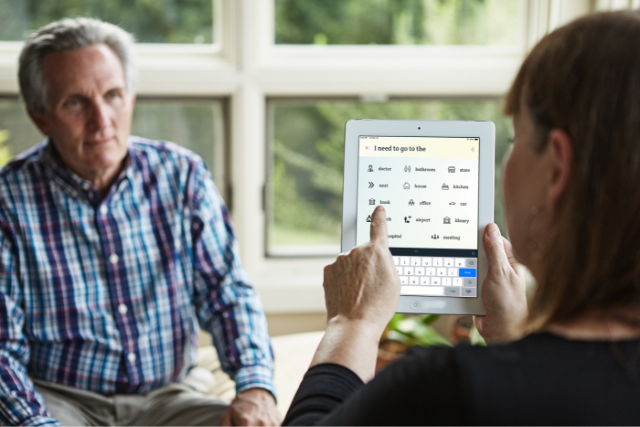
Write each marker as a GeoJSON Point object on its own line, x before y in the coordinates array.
{"type": "Point", "coordinates": [131, 357]}
{"type": "Point", "coordinates": [122, 309]}
{"type": "Point", "coordinates": [104, 209]}
{"type": "Point", "coordinates": [114, 258]}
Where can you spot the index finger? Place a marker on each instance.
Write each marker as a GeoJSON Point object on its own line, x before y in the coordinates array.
{"type": "Point", "coordinates": [379, 226]}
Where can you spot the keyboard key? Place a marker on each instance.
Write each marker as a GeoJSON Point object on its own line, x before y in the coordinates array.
{"type": "Point", "coordinates": [419, 271]}
{"type": "Point", "coordinates": [468, 272]}
{"type": "Point", "coordinates": [404, 280]}
{"type": "Point", "coordinates": [441, 271]}
{"type": "Point", "coordinates": [424, 281]}
{"type": "Point", "coordinates": [457, 281]}
{"type": "Point", "coordinates": [453, 272]}
{"type": "Point", "coordinates": [396, 260]}
{"type": "Point", "coordinates": [421, 290]}
{"type": "Point", "coordinates": [448, 262]}
{"type": "Point", "coordinates": [469, 281]}
{"type": "Point", "coordinates": [446, 281]}
{"type": "Point", "coordinates": [399, 269]}
{"type": "Point", "coordinates": [468, 292]}
{"type": "Point", "coordinates": [460, 262]}
{"type": "Point", "coordinates": [426, 262]}
{"type": "Point", "coordinates": [452, 292]}
{"type": "Point", "coordinates": [435, 281]}
{"type": "Point", "coordinates": [430, 271]}
{"type": "Point", "coordinates": [413, 280]}
{"type": "Point", "coordinates": [472, 262]}
{"type": "Point", "coordinates": [404, 260]}
{"type": "Point", "coordinates": [437, 262]}
{"type": "Point", "coordinates": [415, 261]}
{"type": "Point", "coordinates": [408, 271]}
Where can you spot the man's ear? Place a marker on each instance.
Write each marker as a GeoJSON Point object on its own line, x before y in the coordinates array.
{"type": "Point", "coordinates": [560, 152]}
{"type": "Point", "coordinates": [39, 120]}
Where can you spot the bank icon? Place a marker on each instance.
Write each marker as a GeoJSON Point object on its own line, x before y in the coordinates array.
{"type": "Point", "coordinates": [445, 187]}
{"type": "Point", "coordinates": [370, 168]}
{"type": "Point", "coordinates": [452, 169]}
{"type": "Point", "coordinates": [411, 202]}
{"type": "Point", "coordinates": [406, 186]}
{"type": "Point", "coordinates": [372, 201]}
{"type": "Point", "coordinates": [446, 220]}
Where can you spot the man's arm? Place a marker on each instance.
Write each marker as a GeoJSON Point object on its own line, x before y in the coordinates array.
{"type": "Point", "coordinates": [20, 404]}
{"type": "Point", "coordinates": [229, 308]}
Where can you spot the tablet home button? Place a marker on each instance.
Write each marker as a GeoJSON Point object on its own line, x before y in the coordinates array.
{"type": "Point", "coordinates": [415, 305]}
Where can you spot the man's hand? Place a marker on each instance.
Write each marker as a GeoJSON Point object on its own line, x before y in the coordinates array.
{"type": "Point", "coordinates": [503, 291]}
{"type": "Point", "coordinates": [253, 407]}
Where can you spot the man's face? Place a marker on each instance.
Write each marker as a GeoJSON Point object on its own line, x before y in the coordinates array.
{"type": "Point", "coordinates": [88, 115]}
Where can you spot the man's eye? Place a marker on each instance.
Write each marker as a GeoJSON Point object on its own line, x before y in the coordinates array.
{"type": "Point", "coordinates": [73, 102]}
{"type": "Point", "coordinates": [112, 95]}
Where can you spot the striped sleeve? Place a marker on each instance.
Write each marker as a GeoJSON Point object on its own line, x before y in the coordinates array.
{"type": "Point", "coordinates": [20, 404]}
{"type": "Point", "coordinates": [227, 305]}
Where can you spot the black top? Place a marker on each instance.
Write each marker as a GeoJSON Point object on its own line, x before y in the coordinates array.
{"type": "Point", "coordinates": [541, 379]}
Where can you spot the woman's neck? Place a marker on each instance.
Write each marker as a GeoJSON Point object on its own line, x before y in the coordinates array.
{"type": "Point", "coordinates": [611, 325]}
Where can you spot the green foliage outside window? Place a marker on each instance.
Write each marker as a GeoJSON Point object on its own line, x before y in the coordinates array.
{"type": "Point", "coordinates": [436, 22]}
{"type": "Point", "coordinates": [308, 153]}
{"type": "Point", "coordinates": [151, 21]}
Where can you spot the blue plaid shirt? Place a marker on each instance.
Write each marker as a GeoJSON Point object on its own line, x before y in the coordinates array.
{"type": "Point", "coordinates": [106, 294]}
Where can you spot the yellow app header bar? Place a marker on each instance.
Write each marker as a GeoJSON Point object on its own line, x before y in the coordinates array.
{"type": "Point", "coordinates": [418, 146]}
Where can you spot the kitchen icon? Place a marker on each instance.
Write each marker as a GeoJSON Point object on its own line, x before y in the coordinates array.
{"type": "Point", "coordinates": [445, 187]}
{"type": "Point", "coordinates": [452, 169]}
{"type": "Point", "coordinates": [411, 202]}
{"type": "Point", "coordinates": [447, 220]}
{"type": "Point", "coordinates": [407, 168]}
{"type": "Point", "coordinates": [372, 201]}
{"type": "Point", "coordinates": [406, 186]}
{"type": "Point", "coordinates": [370, 168]}
{"type": "Point", "coordinates": [369, 218]}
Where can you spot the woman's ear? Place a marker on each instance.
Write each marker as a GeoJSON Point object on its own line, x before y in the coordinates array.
{"type": "Point", "coordinates": [560, 155]}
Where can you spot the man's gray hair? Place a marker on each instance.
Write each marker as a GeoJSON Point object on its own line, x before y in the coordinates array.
{"type": "Point", "coordinates": [69, 34]}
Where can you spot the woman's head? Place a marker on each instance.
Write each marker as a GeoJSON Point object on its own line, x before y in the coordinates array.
{"type": "Point", "coordinates": [572, 185]}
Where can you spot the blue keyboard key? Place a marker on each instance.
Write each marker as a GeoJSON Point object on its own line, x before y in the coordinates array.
{"type": "Point", "coordinates": [467, 272]}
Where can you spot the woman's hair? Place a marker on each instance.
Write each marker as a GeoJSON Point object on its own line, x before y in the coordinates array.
{"type": "Point", "coordinates": [69, 34]}
{"type": "Point", "coordinates": [584, 78]}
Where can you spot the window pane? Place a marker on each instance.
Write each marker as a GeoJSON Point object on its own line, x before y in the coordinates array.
{"type": "Point", "coordinates": [166, 21]}
{"type": "Point", "coordinates": [407, 22]}
{"type": "Point", "coordinates": [197, 125]}
{"type": "Point", "coordinates": [305, 177]}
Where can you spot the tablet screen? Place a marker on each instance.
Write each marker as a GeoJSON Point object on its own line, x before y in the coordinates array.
{"type": "Point", "coordinates": [429, 189]}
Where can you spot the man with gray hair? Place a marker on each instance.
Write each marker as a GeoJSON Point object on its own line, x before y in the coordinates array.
{"type": "Point", "coordinates": [114, 249]}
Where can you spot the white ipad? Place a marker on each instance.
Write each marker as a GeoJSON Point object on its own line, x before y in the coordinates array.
{"type": "Point", "coordinates": [435, 180]}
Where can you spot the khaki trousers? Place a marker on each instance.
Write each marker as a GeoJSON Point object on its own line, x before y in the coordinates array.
{"type": "Point", "coordinates": [186, 403]}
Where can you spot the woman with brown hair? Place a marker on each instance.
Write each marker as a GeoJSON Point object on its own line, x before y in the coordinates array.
{"type": "Point", "coordinates": [572, 199]}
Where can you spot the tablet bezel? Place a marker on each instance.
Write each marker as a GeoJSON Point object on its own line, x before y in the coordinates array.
{"type": "Point", "coordinates": [484, 130]}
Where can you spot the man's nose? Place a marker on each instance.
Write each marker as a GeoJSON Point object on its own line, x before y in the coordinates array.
{"type": "Point", "coordinates": [99, 117]}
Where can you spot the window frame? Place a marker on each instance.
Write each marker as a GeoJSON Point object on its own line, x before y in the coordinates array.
{"type": "Point", "coordinates": [245, 67]}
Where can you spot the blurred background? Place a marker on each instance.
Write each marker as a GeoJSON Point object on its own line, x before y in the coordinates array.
{"type": "Point", "coordinates": [261, 89]}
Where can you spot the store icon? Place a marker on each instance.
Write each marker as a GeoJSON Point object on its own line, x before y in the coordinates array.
{"type": "Point", "coordinates": [411, 202]}
{"type": "Point", "coordinates": [445, 187]}
{"type": "Point", "coordinates": [447, 220]}
{"type": "Point", "coordinates": [452, 169]}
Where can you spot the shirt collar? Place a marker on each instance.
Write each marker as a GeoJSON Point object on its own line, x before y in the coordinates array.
{"type": "Point", "coordinates": [73, 184]}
